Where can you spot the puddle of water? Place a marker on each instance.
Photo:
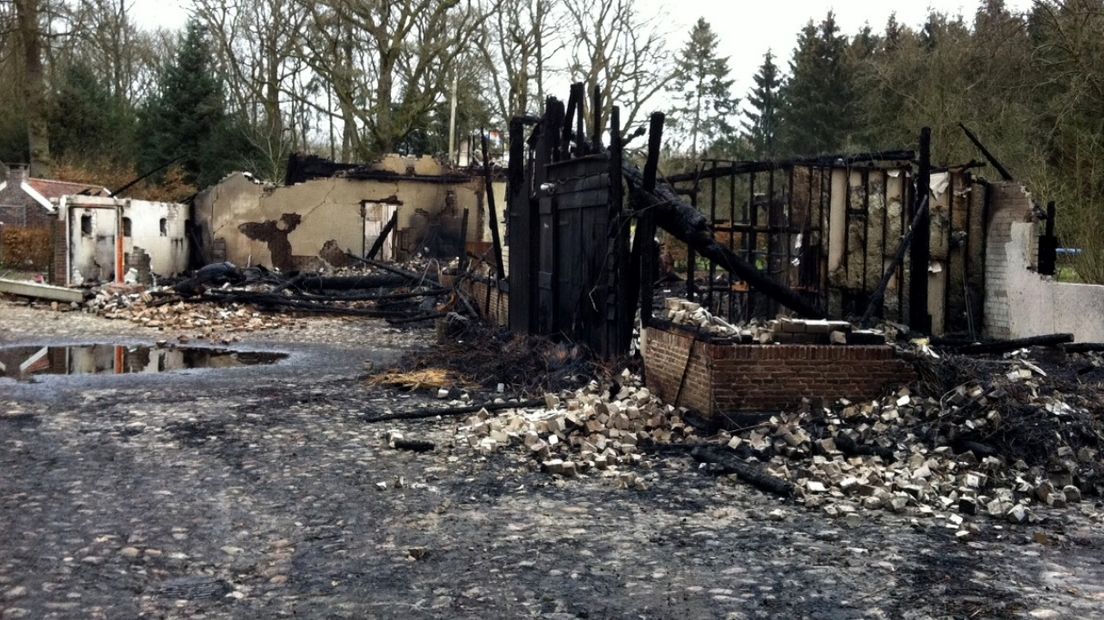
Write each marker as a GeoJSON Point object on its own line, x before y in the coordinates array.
{"type": "Point", "coordinates": [22, 363]}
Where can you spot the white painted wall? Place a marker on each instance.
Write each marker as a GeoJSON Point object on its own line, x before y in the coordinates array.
{"type": "Point", "coordinates": [1019, 302]}
{"type": "Point", "coordinates": [93, 254]}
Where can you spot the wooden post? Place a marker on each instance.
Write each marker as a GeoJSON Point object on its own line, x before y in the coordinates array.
{"type": "Point", "coordinates": [919, 319]}
{"type": "Point", "coordinates": [646, 223]}
{"type": "Point", "coordinates": [462, 259]}
{"type": "Point", "coordinates": [519, 232]}
{"type": "Point", "coordinates": [1048, 245]}
{"type": "Point", "coordinates": [596, 114]}
{"type": "Point", "coordinates": [623, 298]}
{"type": "Point", "coordinates": [580, 130]}
{"type": "Point", "coordinates": [573, 103]}
{"type": "Point", "coordinates": [492, 218]}
{"type": "Point", "coordinates": [691, 255]}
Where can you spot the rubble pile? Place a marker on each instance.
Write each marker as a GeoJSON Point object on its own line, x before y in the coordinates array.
{"type": "Point", "coordinates": [998, 446]}
{"type": "Point", "coordinates": [222, 298]}
{"type": "Point", "coordinates": [585, 430]}
{"type": "Point", "coordinates": [206, 321]}
{"type": "Point", "coordinates": [778, 331]}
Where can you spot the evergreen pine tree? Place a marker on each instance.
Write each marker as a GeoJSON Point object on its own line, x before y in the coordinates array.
{"type": "Point", "coordinates": [187, 117]}
{"type": "Point", "coordinates": [820, 97]}
{"type": "Point", "coordinates": [893, 32]}
{"type": "Point", "coordinates": [761, 125]}
{"type": "Point", "coordinates": [87, 121]}
{"type": "Point", "coordinates": [702, 86]}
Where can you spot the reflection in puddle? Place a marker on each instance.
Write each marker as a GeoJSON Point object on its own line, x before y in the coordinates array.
{"type": "Point", "coordinates": [91, 359]}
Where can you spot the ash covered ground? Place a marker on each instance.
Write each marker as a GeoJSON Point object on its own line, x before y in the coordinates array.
{"type": "Point", "coordinates": [263, 492]}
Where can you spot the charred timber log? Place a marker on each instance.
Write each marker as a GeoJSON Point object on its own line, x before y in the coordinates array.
{"type": "Point", "coordinates": [414, 445]}
{"type": "Point", "coordinates": [1082, 347]}
{"type": "Point", "coordinates": [689, 226]}
{"type": "Point", "coordinates": [850, 447]}
{"type": "Point", "coordinates": [299, 305]}
{"type": "Point", "coordinates": [446, 412]}
{"type": "Point", "coordinates": [1007, 346]}
{"type": "Point", "coordinates": [751, 474]}
{"type": "Point", "coordinates": [352, 283]}
{"type": "Point", "coordinates": [434, 292]}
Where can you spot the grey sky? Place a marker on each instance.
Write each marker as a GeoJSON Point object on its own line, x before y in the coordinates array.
{"type": "Point", "coordinates": [746, 30]}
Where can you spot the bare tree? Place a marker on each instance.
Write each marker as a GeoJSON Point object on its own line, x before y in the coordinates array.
{"type": "Point", "coordinates": [413, 46]}
{"type": "Point", "coordinates": [621, 51]}
{"type": "Point", "coordinates": [258, 41]}
{"type": "Point", "coordinates": [518, 45]}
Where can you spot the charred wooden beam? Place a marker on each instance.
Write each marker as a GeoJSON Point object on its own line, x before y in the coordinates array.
{"type": "Point", "coordinates": [1007, 346]}
{"type": "Point", "coordinates": [352, 283]}
{"type": "Point", "coordinates": [596, 115]}
{"type": "Point", "coordinates": [573, 103]}
{"type": "Point", "coordinates": [1082, 347]}
{"type": "Point", "coordinates": [492, 215]}
{"type": "Point", "coordinates": [644, 246]}
{"type": "Point", "coordinates": [752, 474]}
{"type": "Point", "coordinates": [462, 259]}
{"type": "Point", "coordinates": [1048, 244]}
{"type": "Point", "coordinates": [688, 225]}
{"type": "Point", "coordinates": [879, 292]}
{"type": "Point", "coordinates": [747, 167]}
{"type": "Point", "coordinates": [380, 240]}
{"type": "Point", "coordinates": [521, 230]}
{"type": "Point", "coordinates": [446, 412]}
{"type": "Point", "coordinates": [919, 318]}
{"type": "Point", "coordinates": [414, 445]}
{"type": "Point", "coordinates": [1001, 170]}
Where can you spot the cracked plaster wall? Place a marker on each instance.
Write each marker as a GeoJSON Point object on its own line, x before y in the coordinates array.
{"type": "Point", "coordinates": [329, 209]}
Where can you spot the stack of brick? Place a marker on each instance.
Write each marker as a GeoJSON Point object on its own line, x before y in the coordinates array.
{"type": "Point", "coordinates": [584, 431]}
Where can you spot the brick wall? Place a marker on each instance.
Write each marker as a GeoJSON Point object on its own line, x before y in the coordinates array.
{"type": "Point", "coordinates": [1009, 203]}
{"type": "Point", "coordinates": [61, 254]}
{"type": "Point", "coordinates": [726, 377]}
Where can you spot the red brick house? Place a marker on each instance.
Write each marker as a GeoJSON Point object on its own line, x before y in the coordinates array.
{"type": "Point", "coordinates": [27, 202]}
{"type": "Point", "coordinates": [28, 213]}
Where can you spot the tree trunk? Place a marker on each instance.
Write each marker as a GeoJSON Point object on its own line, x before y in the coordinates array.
{"type": "Point", "coordinates": [34, 89]}
{"type": "Point", "coordinates": [384, 133]}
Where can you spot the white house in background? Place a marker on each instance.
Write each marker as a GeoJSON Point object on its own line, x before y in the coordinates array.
{"type": "Point", "coordinates": [94, 252]}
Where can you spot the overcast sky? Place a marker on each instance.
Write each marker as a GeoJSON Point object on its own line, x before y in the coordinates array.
{"type": "Point", "coordinates": [746, 30]}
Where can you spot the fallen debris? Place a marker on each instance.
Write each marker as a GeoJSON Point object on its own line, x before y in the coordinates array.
{"type": "Point", "coordinates": [750, 473]}
{"type": "Point", "coordinates": [1007, 346]}
{"type": "Point", "coordinates": [41, 291]}
{"type": "Point", "coordinates": [594, 428]}
{"type": "Point", "coordinates": [444, 412]}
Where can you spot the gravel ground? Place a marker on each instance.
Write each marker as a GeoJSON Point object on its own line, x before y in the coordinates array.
{"type": "Point", "coordinates": [256, 492]}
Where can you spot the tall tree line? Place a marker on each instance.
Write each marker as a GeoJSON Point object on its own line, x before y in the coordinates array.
{"type": "Point", "coordinates": [249, 81]}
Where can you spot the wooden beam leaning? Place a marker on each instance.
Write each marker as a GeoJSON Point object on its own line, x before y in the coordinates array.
{"type": "Point", "coordinates": [488, 189]}
{"type": "Point", "coordinates": [377, 245]}
{"type": "Point", "coordinates": [688, 225]}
